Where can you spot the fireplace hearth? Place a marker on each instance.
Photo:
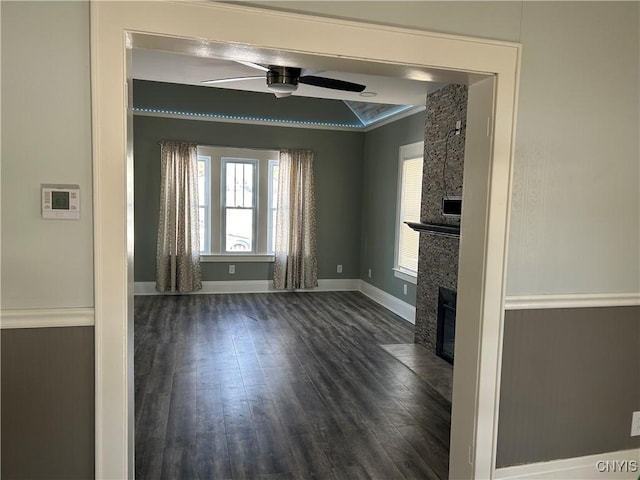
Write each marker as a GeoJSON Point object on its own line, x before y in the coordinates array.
{"type": "Point", "coordinates": [446, 324]}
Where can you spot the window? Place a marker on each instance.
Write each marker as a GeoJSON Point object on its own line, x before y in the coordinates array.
{"type": "Point", "coordinates": [237, 189]}
{"type": "Point", "coordinates": [204, 200]}
{"type": "Point", "coordinates": [408, 210]}
{"type": "Point", "coordinates": [239, 212]}
{"type": "Point", "coordinates": [273, 199]}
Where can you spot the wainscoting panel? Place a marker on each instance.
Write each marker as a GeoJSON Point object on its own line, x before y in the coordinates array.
{"type": "Point", "coordinates": [570, 382]}
{"type": "Point", "coordinates": [47, 403]}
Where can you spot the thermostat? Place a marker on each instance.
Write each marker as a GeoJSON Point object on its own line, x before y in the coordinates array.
{"type": "Point", "coordinates": [61, 202]}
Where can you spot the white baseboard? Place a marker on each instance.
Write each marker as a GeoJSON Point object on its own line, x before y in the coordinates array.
{"type": "Point", "coordinates": [397, 306]}
{"type": "Point", "coordinates": [578, 300]}
{"type": "Point", "coordinates": [251, 286]}
{"type": "Point", "coordinates": [47, 318]}
{"type": "Point", "coordinates": [619, 465]}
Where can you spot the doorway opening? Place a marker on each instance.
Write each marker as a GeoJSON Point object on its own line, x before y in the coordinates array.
{"type": "Point", "coordinates": [482, 248]}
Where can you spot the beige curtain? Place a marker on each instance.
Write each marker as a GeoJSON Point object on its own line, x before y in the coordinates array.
{"type": "Point", "coordinates": [296, 264]}
{"type": "Point", "coordinates": [178, 250]}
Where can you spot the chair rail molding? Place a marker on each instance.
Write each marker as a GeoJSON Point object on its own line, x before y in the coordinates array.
{"type": "Point", "coordinates": [571, 300]}
{"type": "Point", "coordinates": [47, 318]}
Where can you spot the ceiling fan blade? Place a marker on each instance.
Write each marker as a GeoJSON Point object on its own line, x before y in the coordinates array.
{"type": "Point", "coordinates": [234, 79]}
{"type": "Point", "coordinates": [331, 83]}
{"type": "Point", "coordinates": [253, 65]}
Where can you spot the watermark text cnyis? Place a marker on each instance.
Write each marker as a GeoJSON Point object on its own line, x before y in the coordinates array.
{"type": "Point", "coordinates": [617, 466]}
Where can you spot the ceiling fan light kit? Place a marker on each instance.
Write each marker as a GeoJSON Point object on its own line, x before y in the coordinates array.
{"type": "Point", "coordinates": [283, 79]}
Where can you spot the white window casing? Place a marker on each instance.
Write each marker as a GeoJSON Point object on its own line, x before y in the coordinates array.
{"type": "Point", "coordinates": [410, 163]}
{"type": "Point", "coordinates": [259, 240]}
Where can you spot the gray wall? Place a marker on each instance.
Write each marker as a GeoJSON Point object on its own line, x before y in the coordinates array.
{"type": "Point", "coordinates": [47, 403]}
{"type": "Point", "coordinates": [338, 177]}
{"type": "Point", "coordinates": [379, 200]}
{"type": "Point", "coordinates": [46, 138]}
{"type": "Point", "coordinates": [356, 180]}
{"type": "Point", "coordinates": [570, 380]}
{"type": "Point", "coordinates": [47, 386]}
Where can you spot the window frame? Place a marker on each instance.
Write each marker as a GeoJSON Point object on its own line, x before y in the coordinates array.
{"type": "Point", "coordinates": [407, 152]}
{"type": "Point", "coordinates": [263, 159]}
{"type": "Point", "coordinates": [223, 206]}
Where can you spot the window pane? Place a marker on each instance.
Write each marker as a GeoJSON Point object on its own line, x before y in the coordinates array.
{"type": "Point", "coordinates": [247, 185]}
{"type": "Point", "coordinates": [202, 171]}
{"type": "Point", "coordinates": [239, 184]}
{"type": "Point", "coordinates": [408, 248]}
{"type": "Point", "coordinates": [411, 198]}
{"type": "Point", "coordinates": [273, 200]}
{"type": "Point", "coordinates": [273, 230]}
{"type": "Point", "coordinates": [239, 230]}
{"type": "Point", "coordinates": [274, 183]}
{"type": "Point", "coordinates": [230, 184]}
{"type": "Point", "coordinates": [411, 190]}
{"type": "Point", "coordinates": [202, 220]}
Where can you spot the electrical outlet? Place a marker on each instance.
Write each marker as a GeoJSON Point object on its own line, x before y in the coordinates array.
{"type": "Point", "coordinates": [369, 273]}
{"type": "Point", "coordinates": [232, 269]}
{"type": "Point", "coordinates": [339, 268]}
{"type": "Point", "coordinates": [458, 127]}
{"type": "Point", "coordinates": [405, 288]}
{"type": "Point", "coordinates": [635, 424]}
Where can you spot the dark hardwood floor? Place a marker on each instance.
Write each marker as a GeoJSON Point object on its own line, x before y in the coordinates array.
{"type": "Point", "coordinates": [287, 385]}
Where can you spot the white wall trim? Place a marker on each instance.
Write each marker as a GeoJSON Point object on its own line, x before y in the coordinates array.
{"type": "Point", "coordinates": [47, 317]}
{"type": "Point", "coordinates": [252, 286]}
{"type": "Point", "coordinates": [407, 277]}
{"type": "Point", "coordinates": [397, 306]}
{"type": "Point", "coordinates": [582, 468]}
{"type": "Point", "coordinates": [578, 300]}
{"type": "Point", "coordinates": [218, 258]}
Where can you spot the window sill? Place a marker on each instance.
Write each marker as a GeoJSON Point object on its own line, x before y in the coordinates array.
{"type": "Point", "coordinates": [240, 258]}
{"type": "Point", "coordinates": [406, 275]}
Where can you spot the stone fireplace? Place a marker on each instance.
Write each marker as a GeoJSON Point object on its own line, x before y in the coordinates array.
{"type": "Point", "coordinates": [442, 177]}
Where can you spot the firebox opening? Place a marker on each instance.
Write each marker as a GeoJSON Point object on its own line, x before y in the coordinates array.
{"type": "Point", "coordinates": [446, 325]}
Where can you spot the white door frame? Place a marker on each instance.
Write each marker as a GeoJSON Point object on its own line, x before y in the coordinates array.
{"type": "Point", "coordinates": [475, 401]}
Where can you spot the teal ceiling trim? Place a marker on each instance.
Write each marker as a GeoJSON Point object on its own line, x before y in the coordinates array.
{"type": "Point", "coordinates": [239, 118]}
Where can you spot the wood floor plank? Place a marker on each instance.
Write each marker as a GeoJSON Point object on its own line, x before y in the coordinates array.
{"type": "Point", "coordinates": [149, 463]}
{"type": "Point", "coordinates": [310, 459]}
{"type": "Point", "coordinates": [288, 385]}
{"type": "Point", "coordinates": [182, 421]}
{"type": "Point", "coordinates": [243, 453]}
{"type": "Point", "coordinates": [212, 456]}
{"type": "Point", "coordinates": [179, 462]}
{"type": "Point", "coordinates": [209, 411]}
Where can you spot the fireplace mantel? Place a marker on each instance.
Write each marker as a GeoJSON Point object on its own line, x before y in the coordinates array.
{"type": "Point", "coordinates": [436, 229]}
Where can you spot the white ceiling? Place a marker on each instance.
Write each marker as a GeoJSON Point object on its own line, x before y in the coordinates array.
{"type": "Point", "coordinates": [163, 66]}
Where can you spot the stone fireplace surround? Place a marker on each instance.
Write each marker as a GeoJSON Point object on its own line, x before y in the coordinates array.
{"type": "Point", "coordinates": [438, 259]}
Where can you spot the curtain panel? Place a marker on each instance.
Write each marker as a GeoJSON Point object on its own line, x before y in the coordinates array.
{"type": "Point", "coordinates": [295, 264]}
{"type": "Point", "coordinates": [178, 249]}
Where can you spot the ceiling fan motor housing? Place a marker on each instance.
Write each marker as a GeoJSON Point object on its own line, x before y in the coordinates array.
{"type": "Point", "coordinates": [283, 79]}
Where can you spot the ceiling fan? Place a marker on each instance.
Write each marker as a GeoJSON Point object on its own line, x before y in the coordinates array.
{"type": "Point", "coordinates": [283, 81]}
